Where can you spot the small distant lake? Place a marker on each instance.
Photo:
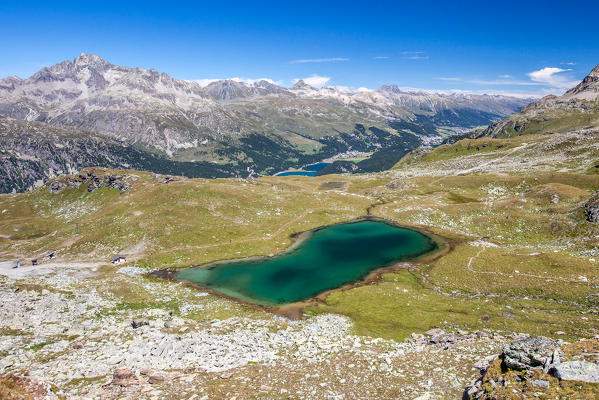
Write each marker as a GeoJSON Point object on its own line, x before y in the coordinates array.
{"type": "Point", "coordinates": [308, 170]}
{"type": "Point", "coordinates": [325, 259]}
{"type": "Point", "coordinates": [303, 173]}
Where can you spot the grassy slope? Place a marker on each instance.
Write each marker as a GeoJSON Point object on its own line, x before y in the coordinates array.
{"type": "Point", "coordinates": [198, 221]}
{"type": "Point", "coordinates": [552, 120]}
{"type": "Point", "coordinates": [175, 224]}
{"type": "Point", "coordinates": [519, 155]}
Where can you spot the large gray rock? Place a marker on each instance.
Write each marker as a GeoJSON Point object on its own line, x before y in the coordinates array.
{"type": "Point", "coordinates": [534, 352]}
{"type": "Point", "coordinates": [583, 371]}
{"type": "Point", "coordinates": [591, 208]}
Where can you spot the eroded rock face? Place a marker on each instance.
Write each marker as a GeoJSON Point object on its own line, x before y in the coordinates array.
{"type": "Point", "coordinates": [591, 208]}
{"type": "Point", "coordinates": [94, 182]}
{"type": "Point", "coordinates": [534, 352]}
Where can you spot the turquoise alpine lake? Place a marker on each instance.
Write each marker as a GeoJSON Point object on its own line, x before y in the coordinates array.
{"type": "Point", "coordinates": [327, 258]}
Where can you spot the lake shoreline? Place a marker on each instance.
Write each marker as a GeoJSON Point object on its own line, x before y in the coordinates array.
{"type": "Point", "coordinates": [294, 310]}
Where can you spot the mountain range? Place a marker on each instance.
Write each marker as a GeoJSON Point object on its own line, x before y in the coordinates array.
{"type": "Point", "coordinates": [90, 112]}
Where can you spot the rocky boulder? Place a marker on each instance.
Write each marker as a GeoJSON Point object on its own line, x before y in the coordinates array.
{"type": "Point", "coordinates": [138, 323]}
{"type": "Point", "coordinates": [533, 352]}
{"type": "Point", "coordinates": [109, 181]}
{"type": "Point", "coordinates": [583, 371]}
{"type": "Point", "coordinates": [124, 377]}
{"type": "Point", "coordinates": [591, 208]}
{"type": "Point", "coordinates": [123, 373]}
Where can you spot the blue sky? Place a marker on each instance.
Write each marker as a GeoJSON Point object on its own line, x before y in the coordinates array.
{"type": "Point", "coordinates": [524, 47]}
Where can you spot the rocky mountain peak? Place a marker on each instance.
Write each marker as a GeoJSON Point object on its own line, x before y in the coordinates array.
{"type": "Point", "coordinates": [227, 89]}
{"type": "Point", "coordinates": [266, 87]}
{"type": "Point", "coordinates": [73, 70]}
{"type": "Point", "coordinates": [299, 85]}
{"type": "Point", "coordinates": [91, 60]}
{"type": "Point", "coordinates": [588, 89]}
{"type": "Point", "coordinates": [12, 78]}
{"type": "Point", "coordinates": [9, 83]}
{"type": "Point", "coordinates": [264, 83]}
{"type": "Point", "coordinates": [391, 89]}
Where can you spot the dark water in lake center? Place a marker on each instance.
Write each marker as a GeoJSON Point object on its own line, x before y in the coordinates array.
{"type": "Point", "coordinates": [328, 258]}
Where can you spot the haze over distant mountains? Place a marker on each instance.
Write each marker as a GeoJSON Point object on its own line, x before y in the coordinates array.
{"type": "Point", "coordinates": [137, 118]}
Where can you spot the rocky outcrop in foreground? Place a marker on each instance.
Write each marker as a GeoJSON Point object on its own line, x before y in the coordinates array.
{"type": "Point", "coordinates": [538, 367]}
{"type": "Point", "coordinates": [529, 353]}
{"type": "Point", "coordinates": [591, 208]}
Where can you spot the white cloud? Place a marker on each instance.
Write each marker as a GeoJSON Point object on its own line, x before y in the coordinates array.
{"type": "Point", "coordinates": [569, 63]}
{"type": "Point", "coordinates": [550, 76]}
{"type": "Point", "coordinates": [414, 55]}
{"type": "Point", "coordinates": [315, 80]}
{"type": "Point", "coordinates": [318, 60]}
{"type": "Point", "coordinates": [450, 79]}
{"type": "Point", "coordinates": [381, 57]}
{"type": "Point", "coordinates": [505, 76]}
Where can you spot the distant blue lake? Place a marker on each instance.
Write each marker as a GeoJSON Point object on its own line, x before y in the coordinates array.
{"type": "Point", "coordinates": [305, 173]}
{"type": "Point", "coordinates": [327, 258]}
{"type": "Point", "coordinates": [308, 170]}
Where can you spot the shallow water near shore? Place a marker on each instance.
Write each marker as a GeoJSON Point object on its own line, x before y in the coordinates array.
{"type": "Point", "coordinates": [327, 258]}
